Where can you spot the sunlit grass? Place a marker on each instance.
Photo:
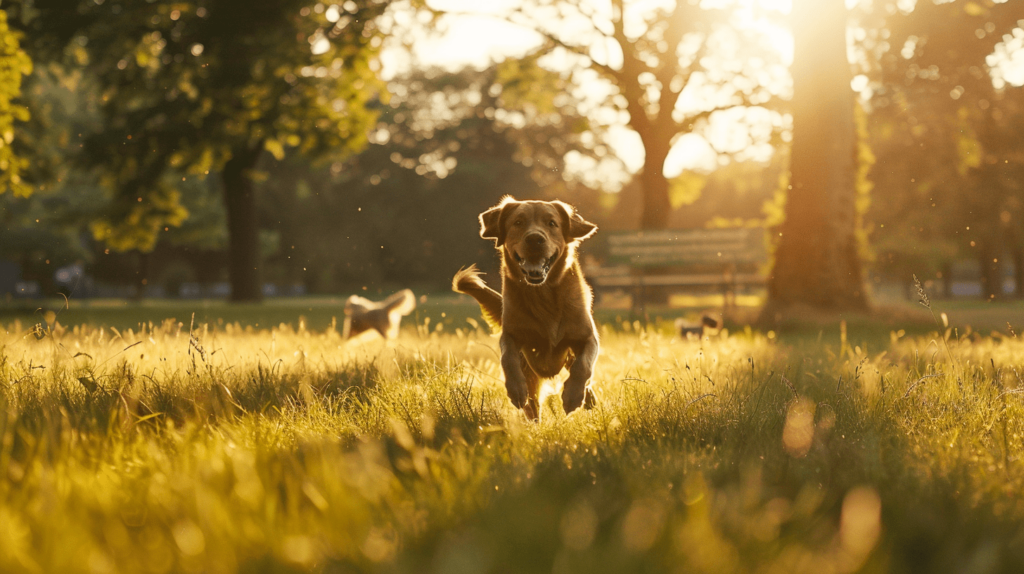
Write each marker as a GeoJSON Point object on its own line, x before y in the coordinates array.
{"type": "Point", "coordinates": [231, 448]}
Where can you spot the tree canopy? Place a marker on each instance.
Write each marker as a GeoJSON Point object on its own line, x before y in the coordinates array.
{"type": "Point", "coordinates": [189, 89]}
{"type": "Point", "coordinates": [14, 64]}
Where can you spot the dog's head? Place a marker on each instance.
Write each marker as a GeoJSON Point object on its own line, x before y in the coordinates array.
{"type": "Point", "coordinates": [534, 236]}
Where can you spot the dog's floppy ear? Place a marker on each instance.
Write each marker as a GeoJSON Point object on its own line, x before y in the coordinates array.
{"type": "Point", "coordinates": [492, 221]}
{"type": "Point", "coordinates": [576, 228]}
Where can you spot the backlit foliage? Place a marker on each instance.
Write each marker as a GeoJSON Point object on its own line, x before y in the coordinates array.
{"type": "Point", "coordinates": [187, 86]}
{"type": "Point", "coordinates": [14, 64]}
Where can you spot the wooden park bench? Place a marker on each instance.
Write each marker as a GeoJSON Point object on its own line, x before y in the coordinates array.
{"type": "Point", "coordinates": [716, 260]}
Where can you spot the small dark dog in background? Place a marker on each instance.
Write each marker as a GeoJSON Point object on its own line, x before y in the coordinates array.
{"type": "Point", "coordinates": [691, 328]}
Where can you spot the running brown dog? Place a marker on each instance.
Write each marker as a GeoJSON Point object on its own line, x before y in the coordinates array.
{"type": "Point", "coordinates": [544, 309]}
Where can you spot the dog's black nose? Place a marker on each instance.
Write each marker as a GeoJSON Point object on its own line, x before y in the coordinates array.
{"type": "Point", "coordinates": [536, 239]}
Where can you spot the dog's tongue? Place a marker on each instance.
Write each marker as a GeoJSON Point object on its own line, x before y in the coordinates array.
{"type": "Point", "coordinates": [533, 270]}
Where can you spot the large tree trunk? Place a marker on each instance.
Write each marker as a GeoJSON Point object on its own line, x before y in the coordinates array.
{"type": "Point", "coordinates": [657, 207]}
{"type": "Point", "coordinates": [817, 263]}
{"type": "Point", "coordinates": [243, 226]}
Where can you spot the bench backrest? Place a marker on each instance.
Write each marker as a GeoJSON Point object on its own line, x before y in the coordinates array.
{"type": "Point", "coordinates": [688, 247]}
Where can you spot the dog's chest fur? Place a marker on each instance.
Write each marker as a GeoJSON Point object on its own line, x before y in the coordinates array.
{"type": "Point", "coordinates": [538, 315]}
{"type": "Point", "coordinates": [546, 316]}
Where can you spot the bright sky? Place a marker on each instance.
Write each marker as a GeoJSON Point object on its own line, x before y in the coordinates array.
{"type": "Point", "coordinates": [477, 36]}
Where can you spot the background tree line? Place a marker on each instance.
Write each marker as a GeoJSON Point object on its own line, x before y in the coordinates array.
{"type": "Point", "coordinates": [171, 142]}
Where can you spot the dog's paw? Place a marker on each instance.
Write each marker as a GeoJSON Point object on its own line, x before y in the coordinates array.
{"type": "Point", "coordinates": [572, 399]}
{"type": "Point", "coordinates": [518, 394]}
{"type": "Point", "coordinates": [531, 410]}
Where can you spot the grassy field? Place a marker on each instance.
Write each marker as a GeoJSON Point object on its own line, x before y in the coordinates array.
{"type": "Point", "coordinates": [234, 447]}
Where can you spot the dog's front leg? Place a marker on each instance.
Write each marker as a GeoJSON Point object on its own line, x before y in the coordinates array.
{"type": "Point", "coordinates": [582, 369]}
{"type": "Point", "coordinates": [512, 365]}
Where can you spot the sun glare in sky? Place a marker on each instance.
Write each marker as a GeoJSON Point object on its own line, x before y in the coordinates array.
{"type": "Point", "coordinates": [475, 33]}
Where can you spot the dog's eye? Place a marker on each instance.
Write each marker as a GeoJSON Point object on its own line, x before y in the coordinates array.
{"type": "Point", "coordinates": [552, 224]}
{"type": "Point", "coordinates": [518, 222]}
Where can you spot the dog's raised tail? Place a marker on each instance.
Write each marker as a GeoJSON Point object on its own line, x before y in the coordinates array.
{"type": "Point", "coordinates": [401, 303]}
{"type": "Point", "coordinates": [468, 281]}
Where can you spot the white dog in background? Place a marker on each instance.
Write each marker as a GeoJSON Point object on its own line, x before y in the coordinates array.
{"type": "Point", "coordinates": [362, 315]}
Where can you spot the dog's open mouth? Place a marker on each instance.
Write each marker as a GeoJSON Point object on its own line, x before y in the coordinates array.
{"type": "Point", "coordinates": [535, 273]}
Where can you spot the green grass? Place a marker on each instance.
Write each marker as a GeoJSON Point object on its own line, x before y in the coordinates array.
{"type": "Point", "coordinates": [283, 448]}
